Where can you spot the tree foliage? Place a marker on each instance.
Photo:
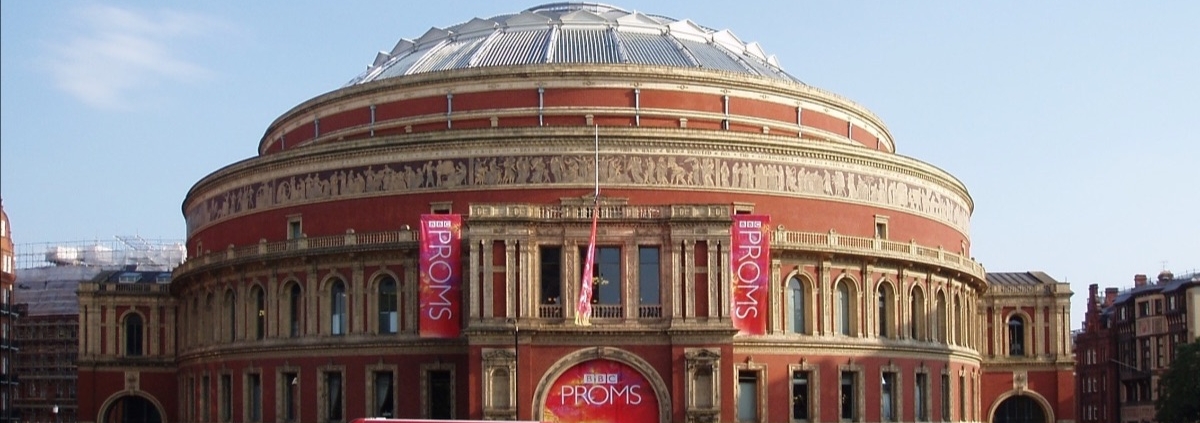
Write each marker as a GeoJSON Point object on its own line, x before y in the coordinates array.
{"type": "Point", "coordinates": [1179, 388]}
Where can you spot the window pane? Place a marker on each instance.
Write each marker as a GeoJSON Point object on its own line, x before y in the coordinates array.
{"type": "Point", "coordinates": [333, 388]}
{"type": "Point", "coordinates": [796, 323]}
{"type": "Point", "coordinates": [551, 273]}
{"type": "Point", "coordinates": [384, 402]}
{"type": "Point", "coordinates": [388, 317]}
{"type": "Point", "coordinates": [648, 275]}
{"type": "Point", "coordinates": [747, 401]}
{"type": "Point", "coordinates": [847, 397]}
{"type": "Point", "coordinates": [440, 390]}
{"type": "Point", "coordinates": [799, 395]}
{"type": "Point", "coordinates": [338, 309]}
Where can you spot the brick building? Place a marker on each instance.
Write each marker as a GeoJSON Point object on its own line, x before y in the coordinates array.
{"type": "Point", "coordinates": [762, 253]}
{"type": "Point", "coordinates": [1128, 341]}
{"type": "Point", "coordinates": [8, 320]}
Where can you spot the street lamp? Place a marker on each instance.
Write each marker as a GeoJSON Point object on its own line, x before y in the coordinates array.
{"type": "Point", "coordinates": [517, 367]}
{"type": "Point", "coordinates": [55, 411]}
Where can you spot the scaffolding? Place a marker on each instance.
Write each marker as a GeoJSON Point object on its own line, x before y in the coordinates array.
{"type": "Point", "coordinates": [122, 251]}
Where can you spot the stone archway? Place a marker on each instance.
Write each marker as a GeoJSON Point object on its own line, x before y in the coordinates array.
{"type": "Point", "coordinates": [130, 407]}
{"type": "Point", "coordinates": [580, 376]}
{"type": "Point", "coordinates": [1021, 407]}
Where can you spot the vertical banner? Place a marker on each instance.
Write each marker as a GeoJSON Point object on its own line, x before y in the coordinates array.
{"type": "Point", "coordinates": [751, 270]}
{"type": "Point", "coordinates": [583, 310]}
{"type": "Point", "coordinates": [441, 276]}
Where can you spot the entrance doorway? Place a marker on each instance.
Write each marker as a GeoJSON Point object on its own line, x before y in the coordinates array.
{"type": "Point", "coordinates": [132, 409]}
{"type": "Point", "coordinates": [1019, 409]}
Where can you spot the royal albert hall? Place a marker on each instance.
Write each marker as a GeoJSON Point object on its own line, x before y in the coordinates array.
{"type": "Point", "coordinates": [412, 244]}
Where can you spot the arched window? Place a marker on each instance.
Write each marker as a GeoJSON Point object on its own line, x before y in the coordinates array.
{"type": "Point", "coordinates": [1016, 336]}
{"type": "Point", "coordinates": [388, 315]}
{"type": "Point", "coordinates": [941, 319]}
{"type": "Point", "coordinates": [959, 330]}
{"type": "Point", "coordinates": [843, 307]}
{"type": "Point", "coordinates": [917, 319]}
{"type": "Point", "coordinates": [886, 300]}
{"type": "Point", "coordinates": [210, 319]}
{"type": "Point", "coordinates": [260, 314]}
{"type": "Point", "coordinates": [231, 314]}
{"type": "Point", "coordinates": [295, 314]}
{"type": "Point", "coordinates": [796, 299]}
{"type": "Point", "coordinates": [194, 322]}
{"type": "Point", "coordinates": [337, 308]}
{"type": "Point", "coordinates": [133, 335]}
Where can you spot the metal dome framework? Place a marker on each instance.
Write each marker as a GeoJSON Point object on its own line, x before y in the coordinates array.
{"type": "Point", "coordinates": [573, 33]}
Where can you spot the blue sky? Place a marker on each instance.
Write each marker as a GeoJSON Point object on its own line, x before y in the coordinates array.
{"type": "Point", "coordinates": [1069, 122]}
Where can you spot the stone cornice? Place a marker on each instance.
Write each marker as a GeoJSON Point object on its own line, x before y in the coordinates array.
{"type": "Point", "coordinates": [468, 154]}
{"type": "Point", "coordinates": [551, 75]}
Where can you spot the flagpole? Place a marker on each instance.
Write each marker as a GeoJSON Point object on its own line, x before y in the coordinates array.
{"type": "Point", "coordinates": [597, 164]}
{"type": "Point", "coordinates": [583, 308]}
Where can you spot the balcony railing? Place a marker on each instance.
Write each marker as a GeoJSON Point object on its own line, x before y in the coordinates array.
{"type": "Point", "coordinates": [314, 244]}
{"type": "Point", "coordinates": [782, 239]}
{"type": "Point", "coordinates": [835, 242]}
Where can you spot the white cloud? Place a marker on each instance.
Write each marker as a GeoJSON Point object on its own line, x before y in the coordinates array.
{"type": "Point", "coordinates": [116, 53]}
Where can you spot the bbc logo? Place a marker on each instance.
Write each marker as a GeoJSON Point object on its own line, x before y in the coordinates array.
{"type": "Point", "coordinates": [600, 378]}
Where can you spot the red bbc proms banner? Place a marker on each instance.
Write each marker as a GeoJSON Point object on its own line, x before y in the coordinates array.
{"type": "Point", "coordinates": [441, 275]}
{"type": "Point", "coordinates": [751, 268]}
{"type": "Point", "coordinates": [601, 391]}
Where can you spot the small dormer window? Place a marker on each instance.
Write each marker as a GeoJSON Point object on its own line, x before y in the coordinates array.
{"type": "Point", "coordinates": [163, 278]}
{"type": "Point", "coordinates": [129, 278]}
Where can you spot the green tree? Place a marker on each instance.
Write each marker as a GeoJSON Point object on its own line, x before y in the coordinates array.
{"type": "Point", "coordinates": [1179, 388]}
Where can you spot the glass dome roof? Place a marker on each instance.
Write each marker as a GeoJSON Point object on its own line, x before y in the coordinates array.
{"type": "Point", "coordinates": [573, 33]}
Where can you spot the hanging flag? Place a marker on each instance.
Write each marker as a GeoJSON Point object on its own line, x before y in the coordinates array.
{"type": "Point", "coordinates": [583, 311]}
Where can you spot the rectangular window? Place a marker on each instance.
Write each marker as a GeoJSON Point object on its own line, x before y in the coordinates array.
{"type": "Point", "coordinates": [204, 393]}
{"type": "Point", "coordinates": [291, 387]}
{"type": "Point", "coordinates": [946, 398]}
{"type": "Point", "coordinates": [921, 396]}
{"type": "Point", "coordinates": [1145, 344]}
{"type": "Point", "coordinates": [1143, 309]}
{"type": "Point", "coordinates": [649, 289]}
{"type": "Point", "coordinates": [704, 387]}
{"type": "Point", "coordinates": [333, 392]}
{"type": "Point", "coordinates": [294, 228]}
{"type": "Point", "coordinates": [887, 396]}
{"type": "Point", "coordinates": [440, 392]}
{"type": "Point", "coordinates": [800, 395]}
{"type": "Point", "coordinates": [551, 273]}
{"type": "Point", "coordinates": [226, 398]}
{"type": "Point", "coordinates": [1158, 306]}
{"type": "Point", "coordinates": [385, 405]}
{"type": "Point", "coordinates": [747, 399]}
{"type": "Point", "coordinates": [962, 397]}
{"type": "Point", "coordinates": [848, 397]}
{"type": "Point", "coordinates": [254, 403]}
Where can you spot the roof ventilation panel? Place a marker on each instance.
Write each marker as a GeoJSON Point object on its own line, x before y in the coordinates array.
{"type": "Point", "coordinates": [773, 61]}
{"type": "Point", "coordinates": [583, 18]}
{"type": "Point", "coordinates": [403, 46]}
{"type": "Point", "coordinates": [725, 38]}
{"type": "Point", "coordinates": [755, 50]}
{"type": "Point", "coordinates": [526, 21]}
{"type": "Point", "coordinates": [639, 23]}
{"type": "Point", "coordinates": [477, 28]}
{"type": "Point", "coordinates": [380, 58]}
{"type": "Point", "coordinates": [688, 30]}
{"type": "Point", "coordinates": [431, 36]}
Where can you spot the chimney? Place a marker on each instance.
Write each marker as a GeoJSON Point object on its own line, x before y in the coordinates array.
{"type": "Point", "coordinates": [1110, 295]}
{"type": "Point", "coordinates": [1139, 280]}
